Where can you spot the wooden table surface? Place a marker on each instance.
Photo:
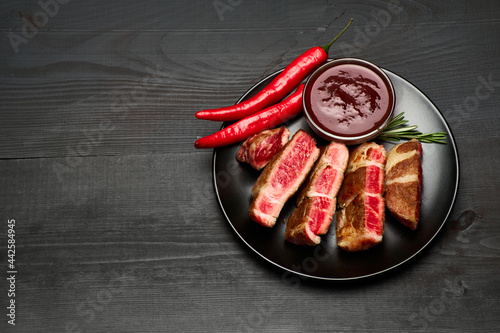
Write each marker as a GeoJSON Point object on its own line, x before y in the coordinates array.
{"type": "Point", "coordinates": [117, 226]}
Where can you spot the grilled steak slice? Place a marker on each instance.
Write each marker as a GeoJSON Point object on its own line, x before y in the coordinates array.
{"type": "Point", "coordinates": [404, 182]}
{"type": "Point", "coordinates": [259, 149]}
{"type": "Point", "coordinates": [317, 200]}
{"type": "Point", "coordinates": [281, 178]}
{"type": "Point", "coordinates": [361, 214]}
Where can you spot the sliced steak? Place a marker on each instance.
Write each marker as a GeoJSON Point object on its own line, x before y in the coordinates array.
{"type": "Point", "coordinates": [361, 214]}
{"type": "Point", "coordinates": [317, 200]}
{"type": "Point", "coordinates": [404, 182]}
{"type": "Point", "coordinates": [281, 178]}
{"type": "Point", "coordinates": [259, 149]}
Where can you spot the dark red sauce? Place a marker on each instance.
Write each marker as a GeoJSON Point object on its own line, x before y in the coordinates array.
{"type": "Point", "coordinates": [348, 99]}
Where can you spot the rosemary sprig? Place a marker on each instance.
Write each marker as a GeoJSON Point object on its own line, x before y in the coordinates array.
{"type": "Point", "coordinates": [397, 130]}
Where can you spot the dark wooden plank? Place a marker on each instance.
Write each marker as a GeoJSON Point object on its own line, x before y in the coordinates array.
{"type": "Point", "coordinates": [117, 224]}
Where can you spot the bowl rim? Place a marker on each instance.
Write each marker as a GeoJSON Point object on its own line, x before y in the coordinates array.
{"type": "Point", "coordinates": [349, 139]}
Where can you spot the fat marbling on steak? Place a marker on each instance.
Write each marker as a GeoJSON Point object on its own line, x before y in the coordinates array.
{"type": "Point", "coordinates": [404, 182]}
{"type": "Point", "coordinates": [259, 149]}
{"type": "Point", "coordinates": [281, 178]}
{"type": "Point", "coordinates": [361, 214]}
{"type": "Point", "coordinates": [316, 203]}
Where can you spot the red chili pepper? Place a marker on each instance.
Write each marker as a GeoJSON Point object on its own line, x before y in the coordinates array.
{"type": "Point", "coordinates": [255, 123]}
{"type": "Point", "coordinates": [275, 91]}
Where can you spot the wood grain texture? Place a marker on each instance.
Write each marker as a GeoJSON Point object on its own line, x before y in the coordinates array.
{"type": "Point", "coordinates": [117, 225]}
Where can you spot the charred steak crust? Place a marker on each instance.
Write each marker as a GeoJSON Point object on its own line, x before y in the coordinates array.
{"type": "Point", "coordinates": [259, 149]}
{"type": "Point", "coordinates": [298, 230]}
{"type": "Point", "coordinates": [404, 182]}
{"type": "Point", "coordinates": [316, 202]}
{"type": "Point", "coordinates": [281, 178]}
{"type": "Point", "coordinates": [361, 213]}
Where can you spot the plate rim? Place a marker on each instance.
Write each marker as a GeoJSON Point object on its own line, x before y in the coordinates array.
{"type": "Point", "coordinates": [451, 140]}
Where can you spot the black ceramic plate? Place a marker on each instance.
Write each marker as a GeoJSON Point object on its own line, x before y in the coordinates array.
{"type": "Point", "coordinates": [233, 182]}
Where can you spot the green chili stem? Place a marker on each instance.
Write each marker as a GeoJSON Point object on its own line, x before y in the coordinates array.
{"type": "Point", "coordinates": [327, 46]}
